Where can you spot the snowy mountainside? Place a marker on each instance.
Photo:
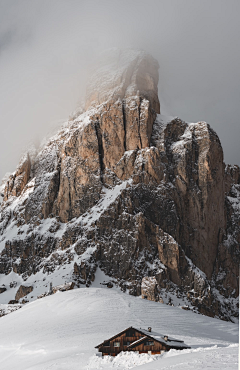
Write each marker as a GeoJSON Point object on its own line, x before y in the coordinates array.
{"type": "Point", "coordinates": [62, 330]}
{"type": "Point", "coordinates": [126, 190]}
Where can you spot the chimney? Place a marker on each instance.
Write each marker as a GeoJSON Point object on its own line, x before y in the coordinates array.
{"type": "Point", "coordinates": [149, 329]}
{"type": "Point", "coordinates": [165, 338]}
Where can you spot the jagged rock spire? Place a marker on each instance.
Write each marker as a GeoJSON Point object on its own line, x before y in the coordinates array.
{"type": "Point", "coordinates": [122, 74]}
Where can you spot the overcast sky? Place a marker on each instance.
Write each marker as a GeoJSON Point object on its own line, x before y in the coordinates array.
{"type": "Point", "coordinates": [46, 48]}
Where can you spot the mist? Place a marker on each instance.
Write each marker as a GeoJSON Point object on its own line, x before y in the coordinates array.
{"type": "Point", "coordinates": [47, 49]}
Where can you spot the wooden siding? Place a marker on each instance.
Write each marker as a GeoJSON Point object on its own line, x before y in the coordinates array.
{"type": "Point", "coordinates": [142, 347]}
{"type": "Point", "coordinates": [108, 348]}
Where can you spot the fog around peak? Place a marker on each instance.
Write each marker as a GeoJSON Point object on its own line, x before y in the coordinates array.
{"type": "Point", "coordinates": [48, 48]}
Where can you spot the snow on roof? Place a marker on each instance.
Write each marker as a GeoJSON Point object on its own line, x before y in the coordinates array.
{"type": "Point", "coordinates": [137, 341]}
{"type": "Point", "coordinates": [177, 344]}
{"type": "Point", "coordinates": [157, 335]}
{"type": "Point", "coordinates": [171, 342]}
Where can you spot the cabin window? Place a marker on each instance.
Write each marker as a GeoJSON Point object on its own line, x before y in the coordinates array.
{"type": "Point", "coordinates": [116, 344]}
{"type": "Point", "coordinates": [130, 333]}
{"type": "Point", "coordinates": [149, 343]}
{"type": "Point", "coordinates": [107, 344]}
{"type": "Point", "coordinates": [126, 343]}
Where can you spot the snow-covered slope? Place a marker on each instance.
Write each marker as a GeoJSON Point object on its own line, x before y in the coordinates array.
{"type": "Point", "coordinates": [60, 332]}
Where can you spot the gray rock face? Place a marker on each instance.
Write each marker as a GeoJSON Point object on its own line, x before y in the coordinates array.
{"type": "Point", "coordinates": [149, 289]}
{"type": "Point", "coordinates": [137, 194]}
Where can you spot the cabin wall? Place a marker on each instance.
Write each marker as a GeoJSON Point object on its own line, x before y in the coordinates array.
{"type": "Point", "coordinates": [131, 336]}
{"type": "Point", "coordinates": [157, 348]}
{"type": "Point", "coordinates": [122, 339]}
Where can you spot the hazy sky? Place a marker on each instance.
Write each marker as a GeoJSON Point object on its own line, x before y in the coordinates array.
{"type": "Point", "coordinates": [46, 48]}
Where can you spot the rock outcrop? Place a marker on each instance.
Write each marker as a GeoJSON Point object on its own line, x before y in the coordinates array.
{"type": "Point", "coordinates": [146, 198]}
{"type": "Point", "coordinates": [149, 289]}
{"type": "Point", "coordinates": [19, 179]}
{"type": "Point", "coordinates": [23, 291]}
{"type": "Point", "coordinates": [2, 289]}
{"type": "Point", "coordinates": [58, 288]}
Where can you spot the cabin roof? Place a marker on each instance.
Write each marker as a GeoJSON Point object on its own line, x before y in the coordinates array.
{"type": "Point", "coordinates": [115, 336]}
{"type": "Point", "coordinates": [170, 342]}
{"type": "Point", "coordinates": [156, 335]}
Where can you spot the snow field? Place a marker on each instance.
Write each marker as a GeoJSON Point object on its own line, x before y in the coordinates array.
{"type": "Point", "coordinates": [59, 332]}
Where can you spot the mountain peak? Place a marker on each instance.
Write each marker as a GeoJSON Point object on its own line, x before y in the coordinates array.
{"type": "Point", "coordinates": [121, 74]}
{"type": "Point", "coordinates": [143, 197]}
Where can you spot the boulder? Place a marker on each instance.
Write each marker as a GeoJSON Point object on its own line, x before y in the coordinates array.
{"type": "Point", "coordinates": [63, 287]}
{"type": "Point", "coordinates": [3, 289]}
{"type": "Point", "coordinates": [23, 291]}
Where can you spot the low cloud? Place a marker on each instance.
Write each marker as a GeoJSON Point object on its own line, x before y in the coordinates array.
{"type": "Point", "coordinates": [47, 47]}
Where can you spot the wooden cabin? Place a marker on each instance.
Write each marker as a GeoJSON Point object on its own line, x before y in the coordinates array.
{"type": "Point", "coordinates": [141, 341]}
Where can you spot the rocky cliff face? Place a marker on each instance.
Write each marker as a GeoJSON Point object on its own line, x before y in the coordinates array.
{"type": "Point", "coordinates": [143, 197]}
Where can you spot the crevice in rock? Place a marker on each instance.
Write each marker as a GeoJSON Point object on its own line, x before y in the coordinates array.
{"type": "Point", "coordinates": [57, 184]}
{"type": "Point", "coordinates": [53, 190]}
{"type": "Point", "coordinates": [139, 114]}
{"type": "Point", "coordinates": [100, 148]}
{"type": "Point", "coordinates": [124, 125]}
{"type": "Point", "coordinates": [70, 200]}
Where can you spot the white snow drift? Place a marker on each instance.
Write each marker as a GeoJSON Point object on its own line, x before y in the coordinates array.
{"type": "Point", "coordinates": [59, 332]}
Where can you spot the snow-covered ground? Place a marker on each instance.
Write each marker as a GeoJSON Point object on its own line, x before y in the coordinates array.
{"type": "Point", "coordinates": [59, 332]}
